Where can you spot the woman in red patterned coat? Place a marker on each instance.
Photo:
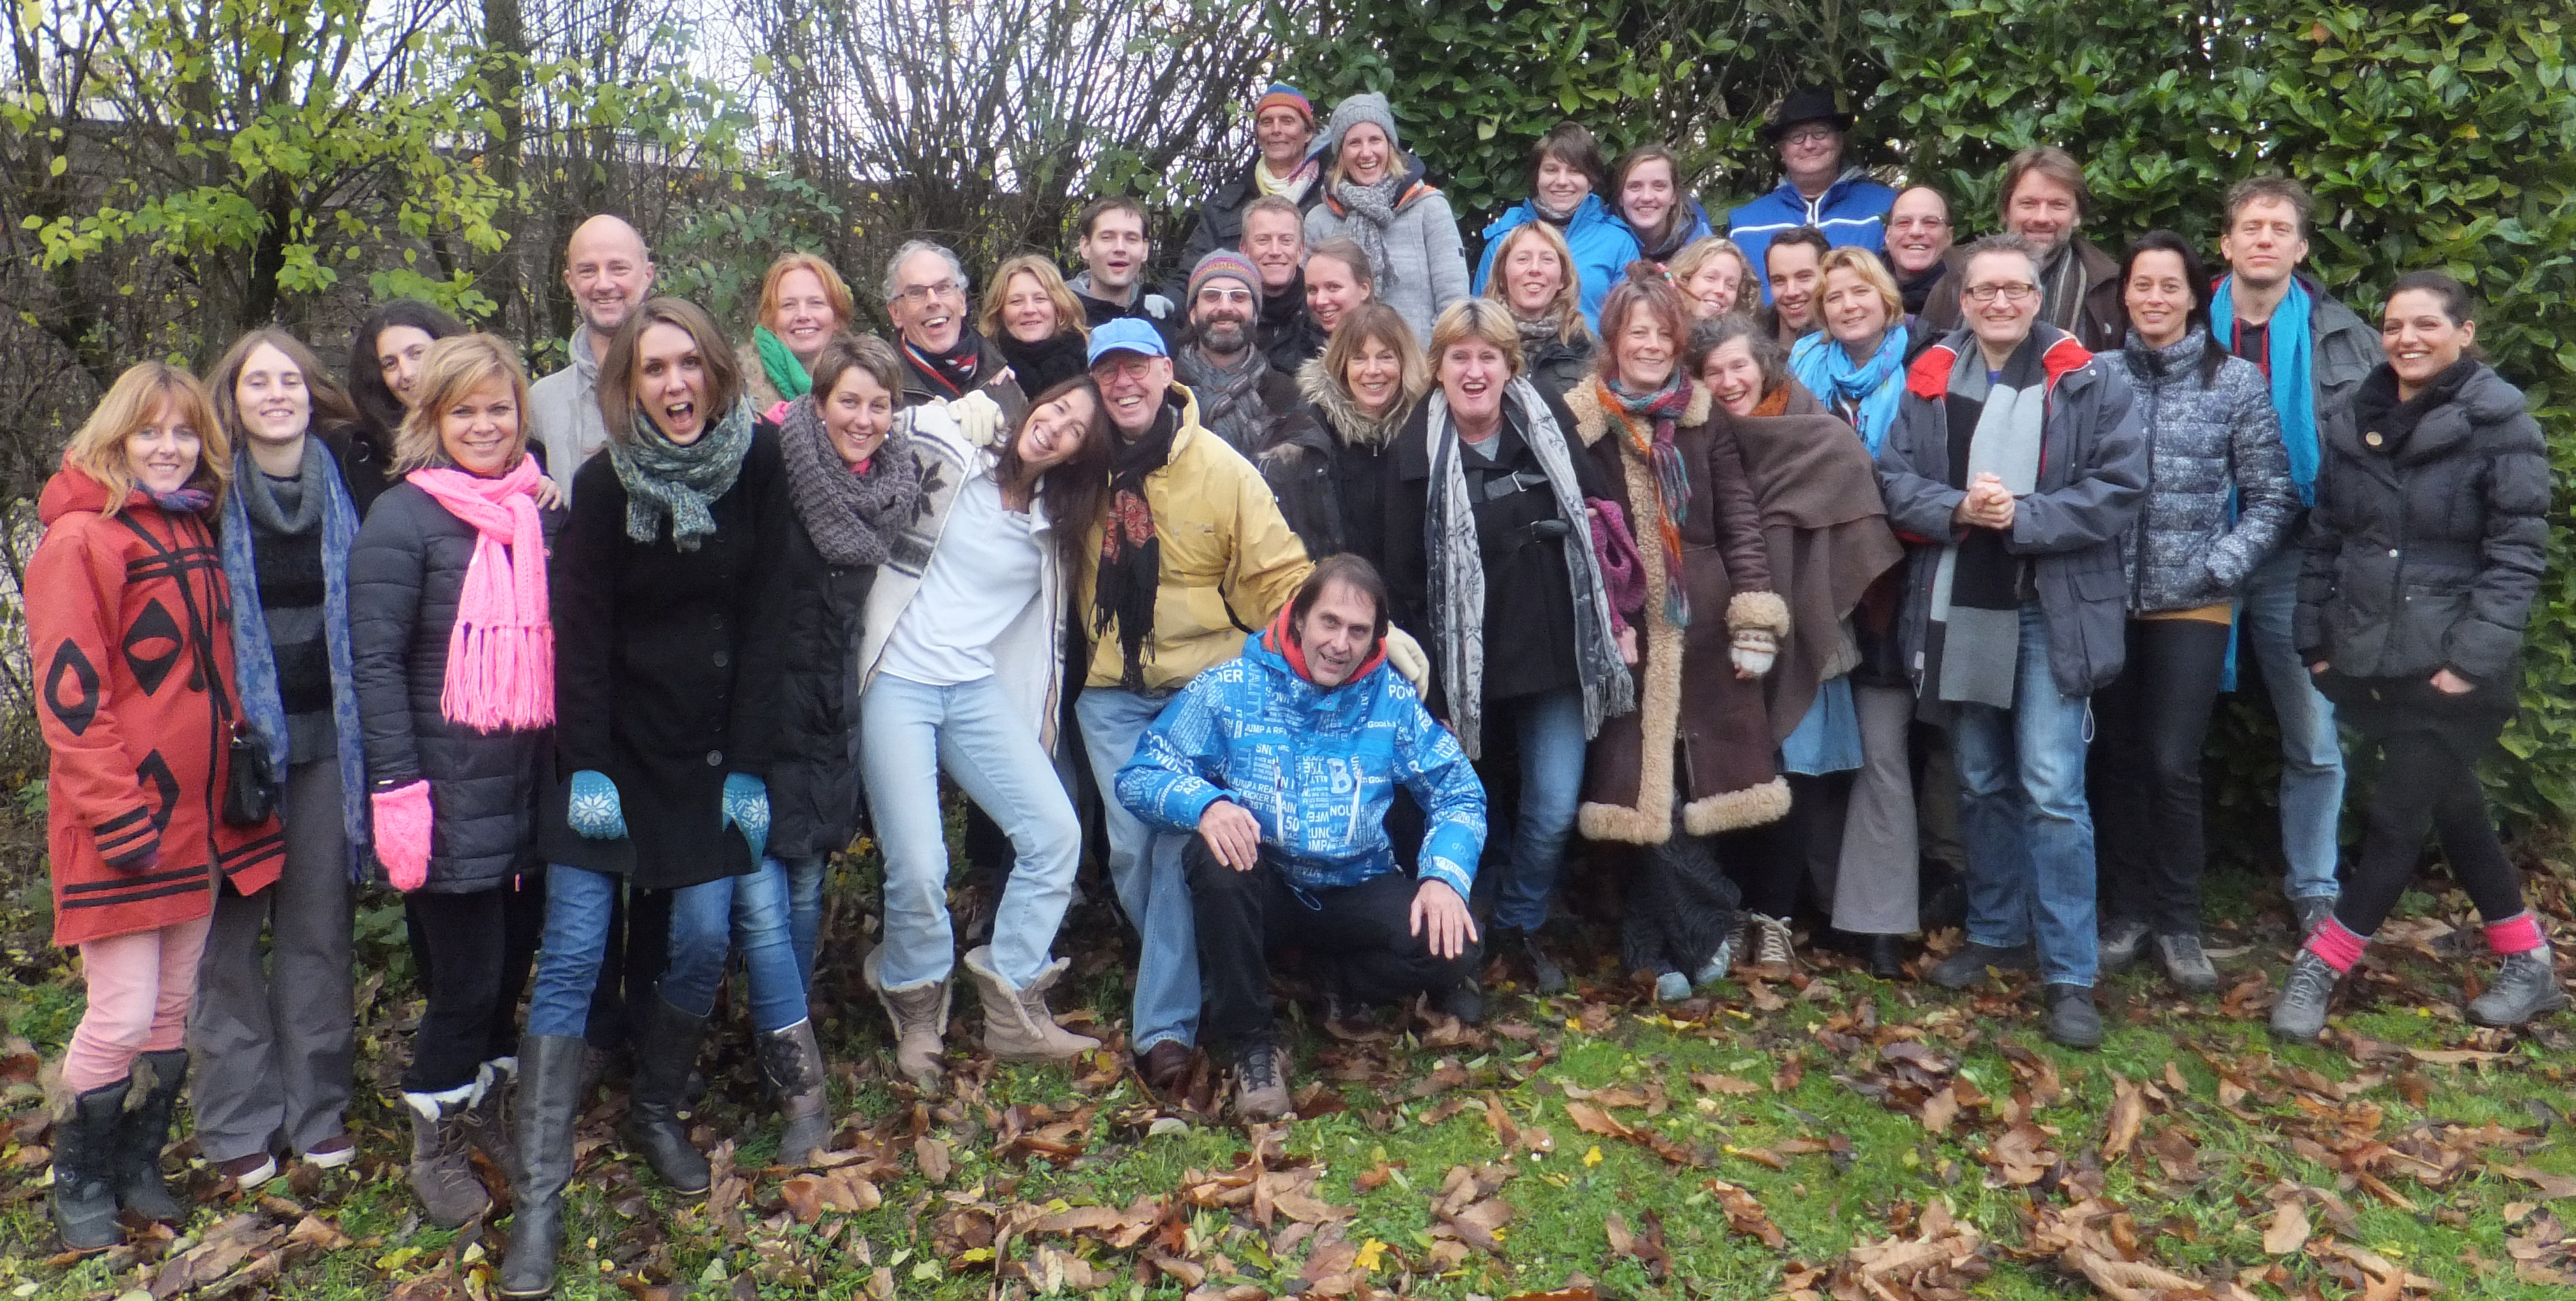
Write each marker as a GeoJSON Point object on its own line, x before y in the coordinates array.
{"type": "Point", "coordinates": [128, 631]}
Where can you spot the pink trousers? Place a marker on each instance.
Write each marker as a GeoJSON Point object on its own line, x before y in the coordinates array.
{"type": "Point", "coordinates": [140, 987]}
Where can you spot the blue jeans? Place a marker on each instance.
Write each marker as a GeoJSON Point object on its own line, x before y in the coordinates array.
{"type": "Point", "coordinates": [578, 904]}
{"type": "Point", "coordinates": [804, 907]}
{"type": "Point", "coordinates": [2023, 814]}
{"type": "Point", "coordinates": [2312, 774]}
{"type": "Point", "coordinates": [1549, 730]}
{"type": "Point", "coordinates": [908, 734]}
{"type": "Point", "coordinates": [1145, 868]}
{"type": "Point", "coordinates": [750, 912]}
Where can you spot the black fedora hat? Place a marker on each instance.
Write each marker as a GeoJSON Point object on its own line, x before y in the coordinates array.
{"type": "Point", "coordinates": [1814, 104]}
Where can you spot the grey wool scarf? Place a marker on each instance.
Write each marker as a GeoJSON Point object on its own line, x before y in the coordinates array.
{"type": "Point", "coordinates": [1457, 574]}
{"type": "Point", "coordinates": [852, 516]}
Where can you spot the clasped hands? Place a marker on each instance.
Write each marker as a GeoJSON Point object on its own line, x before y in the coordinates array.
{"type": "Point", "coordinates": [1988, 505]}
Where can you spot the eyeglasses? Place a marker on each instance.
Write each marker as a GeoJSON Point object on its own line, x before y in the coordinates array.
{"type": "Point", "coordinates": [1808, 135]}
{"type": "Point", "coordinates": [919, 294]}
{"type": "Point", "coordinates": [2011, 293]}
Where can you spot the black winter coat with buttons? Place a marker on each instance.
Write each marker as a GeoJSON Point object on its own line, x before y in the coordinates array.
{"type": "Point", "coordinates": [667, 670]}
{"type": "Point", "coordinates": [2426, 544]}
{"type": "Point", "coordinates": [406, 572]}
{"type": "Point", "coordinates": [814, 778]}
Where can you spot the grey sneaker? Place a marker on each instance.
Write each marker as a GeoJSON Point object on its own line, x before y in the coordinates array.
{"type": "Point", "coordinates": [2311, 910]}
{"type": "Point", "coordinates": [1968, 966]}
{"type": "Point", "coordinates": [1773, 945]}
{"type": "Point", "coordinates": [2185, 964]}
{"type": "Point", "coordinates": [2123, 939]}
{"type": "Point", "coordinates": [2073, 1021]}
{"type": "Point", "coordinates": [2307, 991]}
{"type": "Point", "coordinates": [2525, 987]}
{"type": "Point", "coordinates": [1261, 1083]}
{"type": "Point", "coordinates": [1672, 987]}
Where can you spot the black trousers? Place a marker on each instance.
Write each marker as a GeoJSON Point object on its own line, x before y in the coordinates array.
{"type": "Point", "coordinates": [1357, 937]}
{"type": "Point", "coordinates": [2428, 777]}
{"type": "Point", "coordinates": [630, 969]}
{"type": "Point", "coordinates": [2144, 772]}
{"type": "Point", "coordinates": [474, 951]}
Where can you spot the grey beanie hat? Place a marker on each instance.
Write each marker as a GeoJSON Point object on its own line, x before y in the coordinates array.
{"type": "Point", "coordinates": [1367, 107]}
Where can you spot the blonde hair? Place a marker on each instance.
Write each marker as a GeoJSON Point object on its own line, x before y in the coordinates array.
{"type": "Point", "coordinates": [1383, 324]}
{"type": "Point", "coordinates": [1696, 254]}
{"type": "Point", "coordinates": [455, 366]}
{"type": "Point", "coordinates": [145, 390]}
{"type": "Point", "coordinates": [836, 295]}
{"type": "Point", "coordinates": [1068, 312]}
{"type": "Point", "coordinates": [1480, 320]}
{"type": "Point", "coordinates": [1566, 309]}
{"type": "Point", "coordinates": [1865, 264]}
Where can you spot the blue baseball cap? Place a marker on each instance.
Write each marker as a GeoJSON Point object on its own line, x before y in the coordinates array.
{"type": "Point", "coordinates": [1126, 334]}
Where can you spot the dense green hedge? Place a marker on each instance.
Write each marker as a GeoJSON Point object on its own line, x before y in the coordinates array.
{"type": "Point", "coordinates": [2438, 136]}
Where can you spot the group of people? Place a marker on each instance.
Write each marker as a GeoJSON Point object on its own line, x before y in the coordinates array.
{"type": "Point", "coordinates": [1352, 586]}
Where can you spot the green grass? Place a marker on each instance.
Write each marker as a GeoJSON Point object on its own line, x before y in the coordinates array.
{"type": "Point", "coordinates": [2206, 1223]}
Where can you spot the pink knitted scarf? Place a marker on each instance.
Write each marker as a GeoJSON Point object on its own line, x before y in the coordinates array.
{"type": "Point", "coordinates": [501, 653]}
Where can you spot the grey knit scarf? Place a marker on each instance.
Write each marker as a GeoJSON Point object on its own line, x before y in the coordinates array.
{"type": "Point", "coordinates": [664, 480]}
{"type": "Point", "coordinates": [311, 492]}
{"type": "Point", "coordinates": [1373, 207]}
{"type": "Point", "coordinates": [851, 515]}
{"type": "Point", "coordinates": [1230, 403]}
{"type": "Point", "coordinates": [1457, 573]}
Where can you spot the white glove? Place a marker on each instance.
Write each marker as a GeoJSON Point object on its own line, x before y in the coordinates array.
{"type": "Point", "coordinates": [1406, 655]}
{"type": "Point", "coordinates": [1753, 651]}
{"type": "Point", "coordinates": [979, 417]}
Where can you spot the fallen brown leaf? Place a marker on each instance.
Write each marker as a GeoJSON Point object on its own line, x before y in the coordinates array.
{"type": "Point", "coordinates": [2288, 1231]}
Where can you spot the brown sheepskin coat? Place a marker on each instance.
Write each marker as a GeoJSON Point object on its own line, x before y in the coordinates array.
{"type": "Point", "coordinates": [1696, 724]}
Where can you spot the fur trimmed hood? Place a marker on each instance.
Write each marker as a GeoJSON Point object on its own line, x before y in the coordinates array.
{"type": "Point", "coordinates": [1342, 414]}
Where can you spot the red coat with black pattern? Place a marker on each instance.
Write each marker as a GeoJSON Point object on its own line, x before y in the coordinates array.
{"type": "Point", "coordinates": [128, 632]}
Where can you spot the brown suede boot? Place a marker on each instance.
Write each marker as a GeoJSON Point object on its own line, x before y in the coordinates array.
{"type": "Point", "coordinates": [920, 1016]}
{"type": "Point", "coordinates": [1017, 1025]}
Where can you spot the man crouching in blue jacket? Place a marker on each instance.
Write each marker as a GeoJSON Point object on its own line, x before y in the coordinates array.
{"type": "Point", "coordinates": [1284, 761]}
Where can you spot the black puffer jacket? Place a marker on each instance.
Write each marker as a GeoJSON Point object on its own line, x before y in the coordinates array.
{"type": "Point", "coordinates": [2430, 531]}
{"type": "Point", "coordinates": [1220, 220]}
{"type": "Point", "coordinates": [814, 780]}
{"type": "Point", "coordinates": [405, 575]}
{"type": "Point", "coordinates": [2219, 500]}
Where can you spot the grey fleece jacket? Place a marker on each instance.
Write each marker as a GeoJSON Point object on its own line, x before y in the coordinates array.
{"type": "Point", "coordinates": [563, 414]}
{"type": "Point", "coordinates": [1426, 258]}
{"type": "Point", "coordinates": [2203, 441]}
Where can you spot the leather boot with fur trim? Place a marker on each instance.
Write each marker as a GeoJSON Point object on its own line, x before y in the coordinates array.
{"type": "Point", "coordinates": [158, 1078]}
{"type": "Point", "coordinates": [84, 1193]}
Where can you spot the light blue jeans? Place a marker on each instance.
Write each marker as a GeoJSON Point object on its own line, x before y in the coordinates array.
{"type": "Point", "coordinates": [908, 734]}
{"type": "Point", "coordinates": [1549, 730]}
{"type": "Point", "coordinates": [1145, 869]}
{"type": "Point", "coordinates": [2312, 774]}
{"type": "Point", "coordinates": [2023, 814]}
{"type": "Point", "coordinates": [750, 911]}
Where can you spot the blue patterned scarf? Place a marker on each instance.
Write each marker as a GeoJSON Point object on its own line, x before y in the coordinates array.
{"type": "Point", "coordinates": [255, 660]}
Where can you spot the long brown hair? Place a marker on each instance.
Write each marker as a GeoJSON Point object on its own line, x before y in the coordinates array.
{"type": "Point", "coordinates": [617, 369]}
{"type": "Point", "coordinates": [1072, 490]}
{"type": "Point", "coordinates": [330, 402]}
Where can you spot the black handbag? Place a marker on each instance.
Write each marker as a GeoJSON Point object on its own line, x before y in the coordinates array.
{"type": "Point", "coordinates": [251, 795]}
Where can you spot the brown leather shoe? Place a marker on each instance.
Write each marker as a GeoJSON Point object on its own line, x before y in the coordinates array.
{"type": "Point", "coordinates": [1166, 1066]}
